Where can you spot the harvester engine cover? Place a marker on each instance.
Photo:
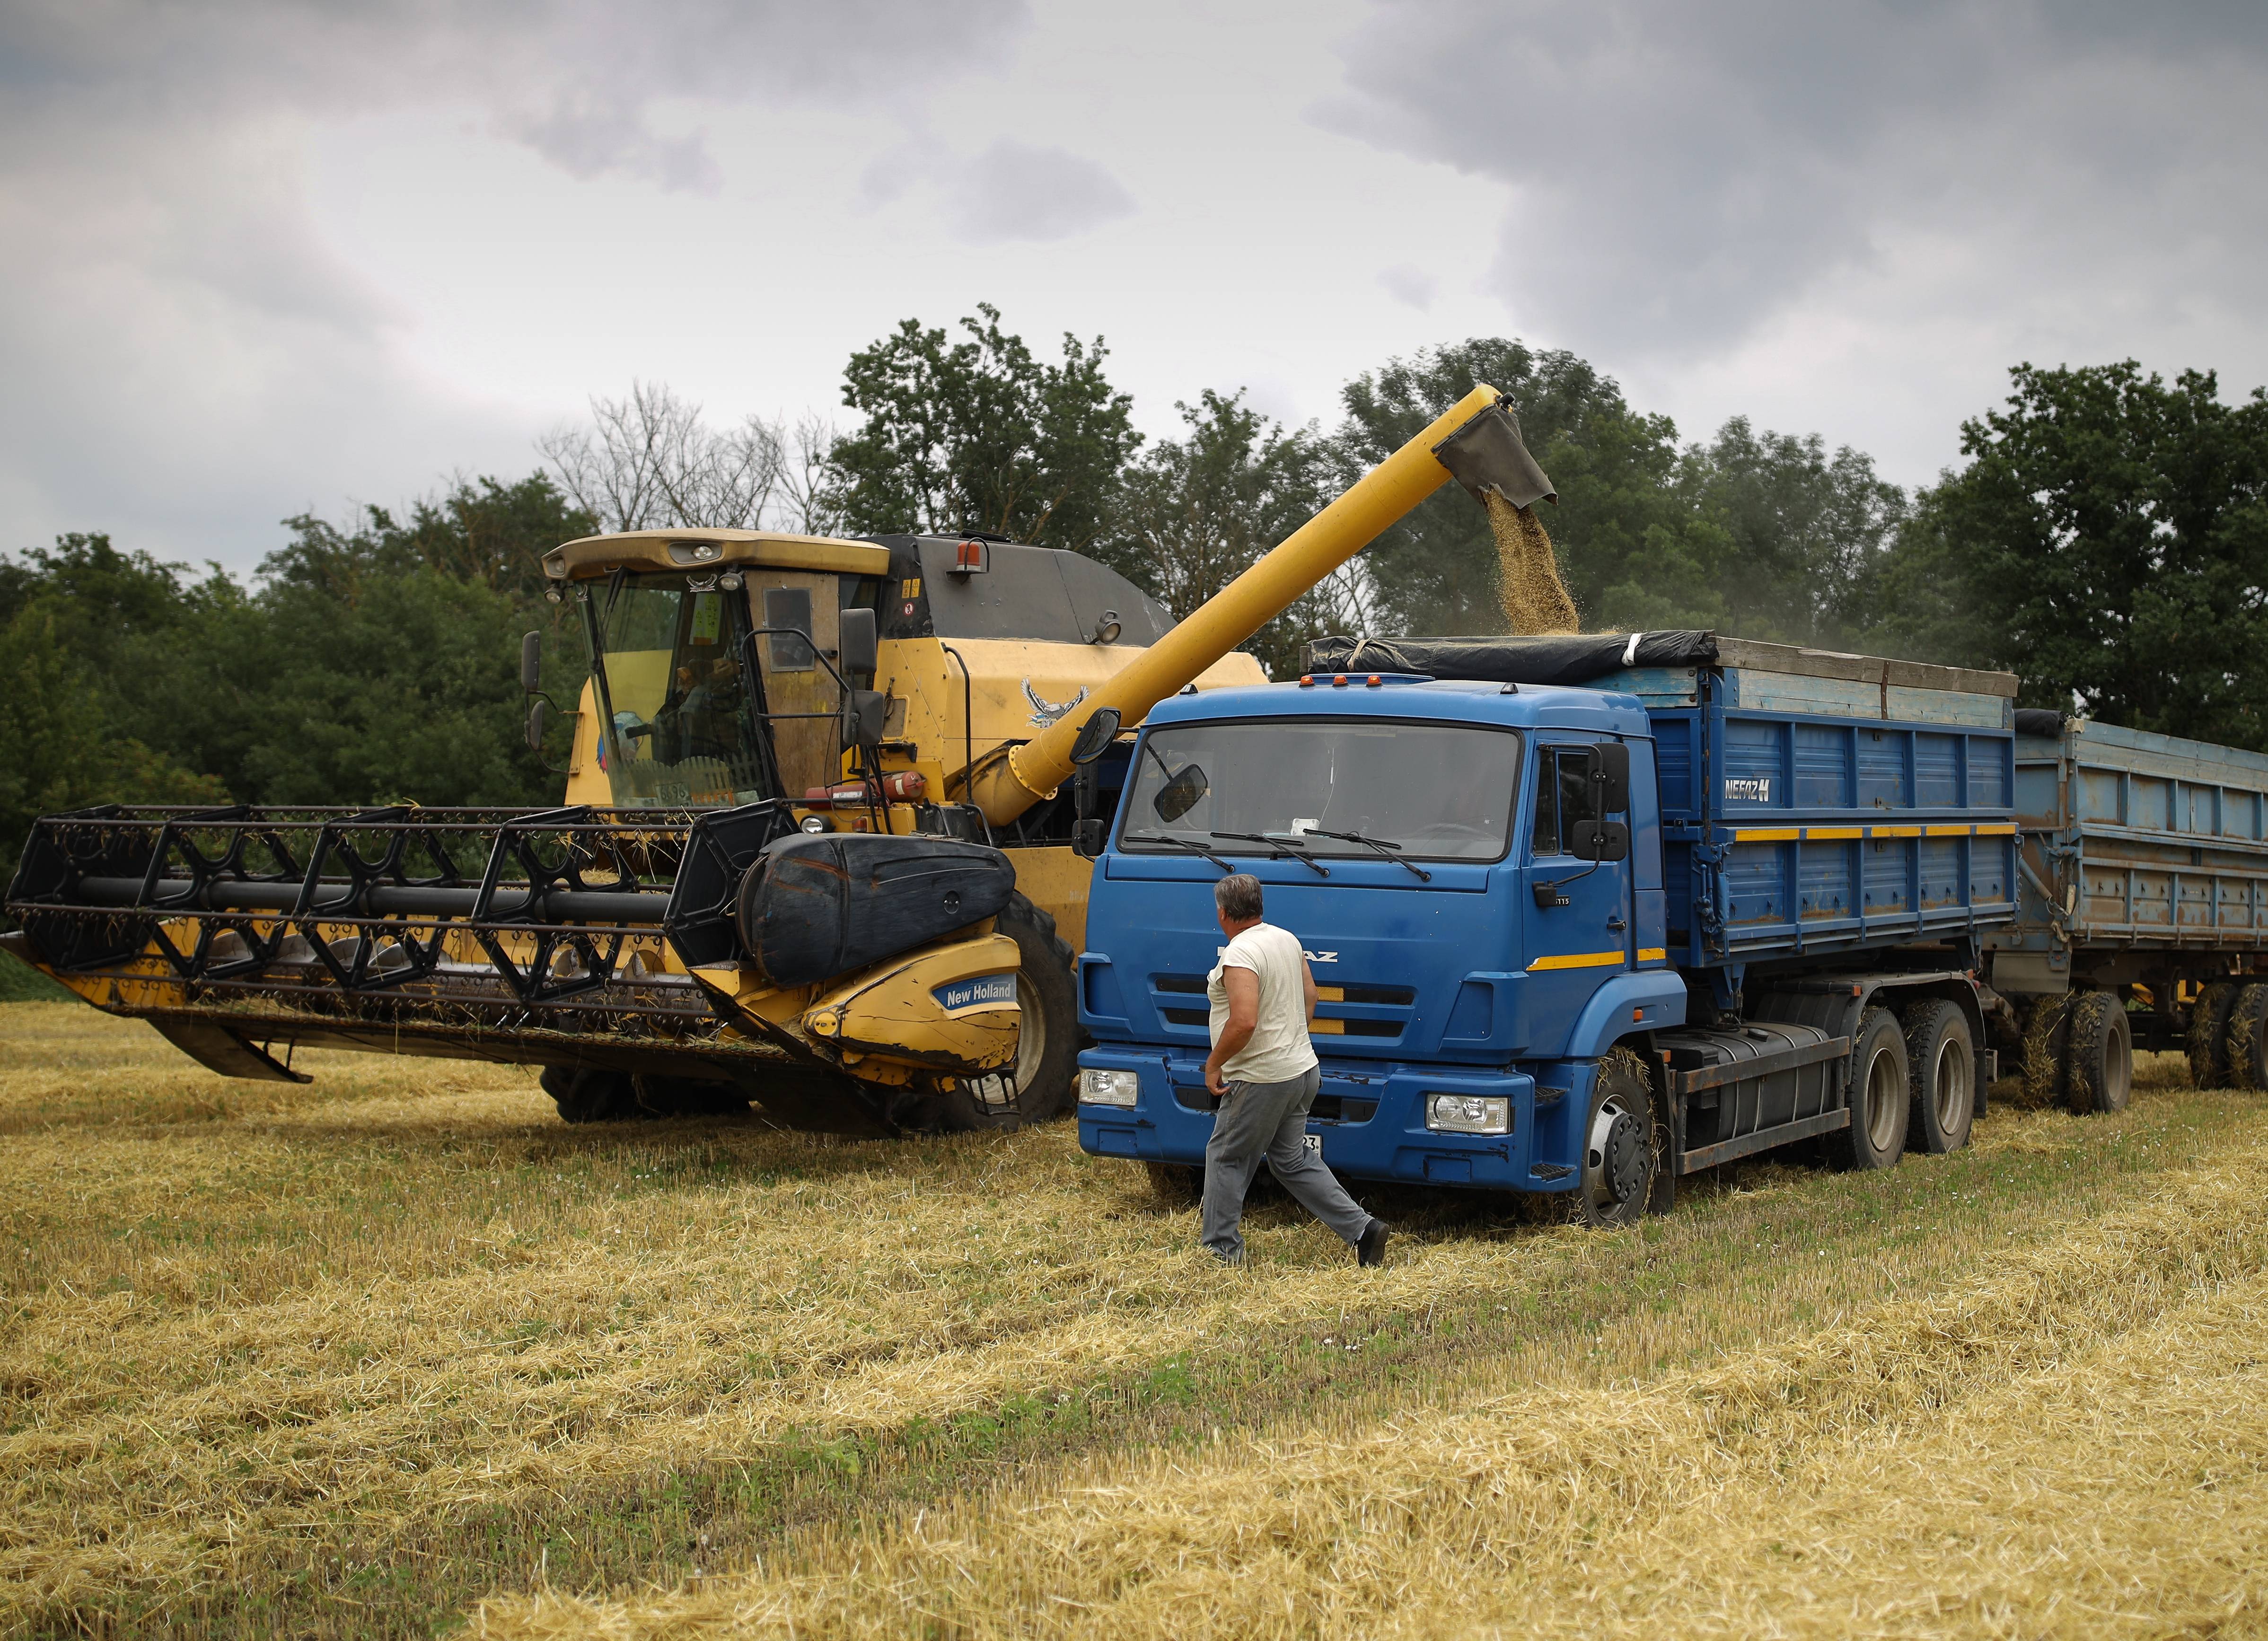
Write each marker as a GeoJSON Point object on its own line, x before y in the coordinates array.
{"type": "Point", "coordinates": [819, 905]}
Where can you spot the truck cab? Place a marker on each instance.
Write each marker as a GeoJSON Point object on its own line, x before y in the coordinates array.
{"type": "Point", "coordinates": [1475, 874]}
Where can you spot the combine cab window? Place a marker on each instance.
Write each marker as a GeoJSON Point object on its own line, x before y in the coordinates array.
{"type": "Point", "coordinates": [1419, 792]}
{"type": "Point", "coordinates": [683, 732]}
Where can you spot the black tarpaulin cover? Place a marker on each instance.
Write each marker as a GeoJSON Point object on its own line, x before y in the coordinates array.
{"type": "Point", "coordinates": [1574, 658]}
{"type": "Point", "coordinates": [2038, 721]}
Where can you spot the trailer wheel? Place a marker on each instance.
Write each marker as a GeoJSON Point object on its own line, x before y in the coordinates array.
{"type": "Point", "coordinates": [584, 1094]}
{"type": "Point", "coordinates": [1881, 1094]}
{"type": "Point", "coordinates": [2101, 1055]}
{"type": "Point", "coordinates": [1943, 1058]}
{"type": "Point", "coordinates": [2245, 1042]}
{"type": "Point", "coordinates": [2208, 1043]}
{"type": "Point", "coordinates": [1623, 1145]}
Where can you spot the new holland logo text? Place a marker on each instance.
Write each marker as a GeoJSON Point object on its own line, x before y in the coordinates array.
{"type": "Point", "coordinates": [1755, 789]}
{"type": "Point", "coordinates": [967, 994]}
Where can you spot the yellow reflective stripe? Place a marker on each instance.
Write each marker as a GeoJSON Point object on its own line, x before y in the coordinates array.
{"type": "Point", "coordinates": [1328, 1029]}
{"type": "Point", "coordinates": [1835, 831]}
{"type": "Point", "coordinates": [1998, 829]}
{"type": "Point", "coordinates": [1897, 831]}
{"type": "Point", "coordinates": [1767, 834]}
{"type": "Point", "coordinates": [1331, 994]}
{"type": "Point", "coordinates": [1652, 954]}
{"type": "Point", "coordinates": [1949, 831]}
{"type": "Point", "coordinates": [1576, 960]}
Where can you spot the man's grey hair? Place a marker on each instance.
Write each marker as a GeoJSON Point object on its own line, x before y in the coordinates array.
{"type": "Point", "coordinates": [1238, 896]}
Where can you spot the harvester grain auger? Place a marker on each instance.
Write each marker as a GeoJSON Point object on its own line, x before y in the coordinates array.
{"type": "Point", "coordinates": [816, 851]}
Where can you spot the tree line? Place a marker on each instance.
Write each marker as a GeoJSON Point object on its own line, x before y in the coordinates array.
{"type": "Point", "coordinates": [2105, 537]}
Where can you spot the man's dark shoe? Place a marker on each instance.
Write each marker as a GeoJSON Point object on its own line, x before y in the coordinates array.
{"type": "Point", "coordinates": [1371, 1250]}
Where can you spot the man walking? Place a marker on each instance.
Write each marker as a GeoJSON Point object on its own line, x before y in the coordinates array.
{"type": "Point", "coordinates": [1264, 1071]}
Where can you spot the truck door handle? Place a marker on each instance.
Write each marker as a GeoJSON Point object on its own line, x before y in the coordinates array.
{"type": "Point", "coordinates": [1617, 923]}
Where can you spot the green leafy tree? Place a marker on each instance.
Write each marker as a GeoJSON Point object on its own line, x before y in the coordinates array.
{"type": "Point", "coordinates": [1196, 511]}
{"type": "Point", "coordinates": [2108, 541]}
{"type": "Point", "coordinates": [979, 435]}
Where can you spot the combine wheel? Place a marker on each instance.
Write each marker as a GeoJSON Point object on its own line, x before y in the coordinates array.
{"type": "Point", "coordinates": [1881, 1091]}
{"type": "Point", "coordinates": [2208, 1043]}
{"type": "Point", "coordinates": [2245, 1042]}
{"type": "Point", "coordinates": [1943, 1059]}
{"type": "Point", "coordinates": [2101, 1053]}
{"type": "Point", "coordinates": [1046, 1049]}
{"type": "Point", "coordinates": [585, 1095]}
{"type": "Point", "coordinates": [1622, 1146]}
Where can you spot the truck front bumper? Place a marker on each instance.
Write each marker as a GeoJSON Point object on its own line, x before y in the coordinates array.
{"type": "Point", "coordinates": [1369, 1115]}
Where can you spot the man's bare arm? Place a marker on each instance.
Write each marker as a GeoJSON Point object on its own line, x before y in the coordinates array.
{"type": "Point", "coordinates": [1243, 989]}
{"type": "Point", "coordinates": [1307, 984]}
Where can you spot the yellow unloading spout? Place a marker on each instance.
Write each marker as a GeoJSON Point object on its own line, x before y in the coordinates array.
{"type": "Point", "coordinates": [1476, 442]}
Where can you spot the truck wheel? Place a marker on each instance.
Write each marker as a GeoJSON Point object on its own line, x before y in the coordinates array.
{"type": "Point", "coordinates": [1046, 1048]}
{"type": "Point", "coordinates": [583, 1094]}
{"type": "Point", "coordinates": [1622, 1145]}
{"type": "Point", "coordinates": [2208, 1044]}
{"type": "Point", "coordinates": [2101, 1055]}
{"type": "Point", "coordinates": [1943, 1057]}
{"type": "Point", "coordinates": [2245, 1042]}
{"type": "Point", "coordinates": [1881, 1094]}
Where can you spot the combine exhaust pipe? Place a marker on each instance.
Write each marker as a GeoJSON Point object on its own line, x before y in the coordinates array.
{"type": "Point", "coordinates": [1476, 442]}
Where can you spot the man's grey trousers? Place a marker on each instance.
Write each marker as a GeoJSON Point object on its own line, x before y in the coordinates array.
{"type": "Point", "coordinates": [1269, 1119]}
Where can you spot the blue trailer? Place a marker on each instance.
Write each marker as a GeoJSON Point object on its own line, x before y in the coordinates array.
{"type": "Point", "coordinates": [2142, 908]}
{"type": "Point", "coordinates": [1577, 938]}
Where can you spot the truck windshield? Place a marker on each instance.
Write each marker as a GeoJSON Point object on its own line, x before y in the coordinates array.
{"type": "Point", "coordinates": [1426, 791]}
{"type": "Point", "coordinates": [683, 731]}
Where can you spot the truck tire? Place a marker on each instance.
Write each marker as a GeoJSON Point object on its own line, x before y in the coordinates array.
{"type": "Point", "coordinates": [1942, 1055]}
{"type": "Point", "coordinates": [1880, 1090]}
{"type": "Point", "coordinates": [2101, 1055]}
{"type": "Point", "coordinates": [1623, 1145]}
{"type": "Point", "coordinates": [584, 1094]}
{"type": "Point", "coordinates": [1047, 1049]}
{"type": "Point", "coordinates": [2208, 1035]}
{"type": "Point", "coordinates": [2245, 1042]}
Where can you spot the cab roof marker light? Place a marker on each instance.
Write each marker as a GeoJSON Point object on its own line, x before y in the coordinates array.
{"type": "Point", "coordinates": [1307, 681]}
{"type": "Point", "coordinates": [1339, 681]}
{"type": "Point", "coordinates": [1372, 682]}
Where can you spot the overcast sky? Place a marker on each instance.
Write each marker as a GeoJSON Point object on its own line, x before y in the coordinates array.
{"type": "Point", "coordinates": [258, 258]}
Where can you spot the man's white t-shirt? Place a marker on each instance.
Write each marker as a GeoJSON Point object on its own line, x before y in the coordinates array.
{"type": "Point", "coordinates": [1278, 1050]}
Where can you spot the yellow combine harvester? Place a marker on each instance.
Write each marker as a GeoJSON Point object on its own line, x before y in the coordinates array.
{"type": "Point", "coordinates": [818, 846]}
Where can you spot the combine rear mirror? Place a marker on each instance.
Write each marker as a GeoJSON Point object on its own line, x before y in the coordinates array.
{"type": "Point", "coordinates": [1095, 736]}
{"type": "Point", "coordinates": [537, 717]}
{"type": "Point", "coordinates": [863, 714]}
{"type": "Point", "coordinates": [531, 662]}
{"type": "Point", "coordinates": [1177, 797]}
{"type": "Point", "coordinates": [856, 643]}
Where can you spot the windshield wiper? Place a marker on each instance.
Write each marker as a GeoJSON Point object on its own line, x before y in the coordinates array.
{"type": "Point", "coordinates": [1194, 847]}
{"type": "Point", "coordinates": [1277, 851]}
{"type": "Point", "coordinates": [1389, 850]}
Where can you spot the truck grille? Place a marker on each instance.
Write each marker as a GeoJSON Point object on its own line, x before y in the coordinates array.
{"type": "Point", "coordinates": [1386, 1010]}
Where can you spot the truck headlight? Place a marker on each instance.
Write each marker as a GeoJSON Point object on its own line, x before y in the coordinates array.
{"type": "Point", "coordinates": [1468, 1114]}
{"type": "Point", "coordinates": [1109, 1088]}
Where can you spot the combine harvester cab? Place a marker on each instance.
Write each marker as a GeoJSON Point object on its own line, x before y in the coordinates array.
{"type": "Point", "coordinates": [814, 852]}
{"type": "Point", "coordinates": [1586, 912]}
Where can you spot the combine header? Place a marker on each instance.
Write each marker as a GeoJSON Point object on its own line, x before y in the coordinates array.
{"type": "Point", "coordinates": [817, 851]}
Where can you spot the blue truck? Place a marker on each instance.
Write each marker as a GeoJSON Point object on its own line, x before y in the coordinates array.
{"type": "Point", "coordinates": [2142, 920]}
{"type": "Point", "coordinates": [1587, 914]}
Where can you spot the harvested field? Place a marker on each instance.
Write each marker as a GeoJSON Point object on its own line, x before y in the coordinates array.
{"type": "Point", "coordinates": [396, 1351]}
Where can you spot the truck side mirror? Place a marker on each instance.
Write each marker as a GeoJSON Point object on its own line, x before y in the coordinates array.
{"type": "Point", "coordinates": [531, 662]}
{"type": "Point", "coordinates": [1086, 839]}
{"type": "Point", "coordinates": [856, 643]}
{"type": "Point", "coordinates": [1095, 736]}
{"type": "Point", "coordinates": [538, 713]}
{"type": "Point", "coordinates": [1611, 769]}
{"type": "Point", "coordinates": [1599, 841]}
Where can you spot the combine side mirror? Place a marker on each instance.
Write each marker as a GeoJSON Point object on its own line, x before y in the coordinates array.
{"type": "Point", "coordinates": [856, 643]}
{"type": "Point", "coordinates": [1095, 736]}
{"type": "Point", "coordinates": [531, 662]}
{"type": "Point", "coordinates": [1184, 793]}
{"type": "Point", "coordinates": [1086, 839]}
{"type": "Point", "coordinates": [538, 718]}
{"type": "Point", "coordinates": [863, 714]}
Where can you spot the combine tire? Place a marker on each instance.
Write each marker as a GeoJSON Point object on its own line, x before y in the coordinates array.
{"type": "Point", "coordinates": [2208, 1043]}
{"type": "Point", "coordinates": [1881, 1091]}
{"type": "Point", "coordinates": [1047, 1051]}
{"type": "Point", "coordinates": [1623, 1145]}
{"type": "Point", "coordinates": [2101, 1055]}
{"type": "Point", "coordinates": [585, 1095]}
{"type": "Point", "coordinates": [2244, 1044]}
{"type": "Point", "coordinates": [1943, 1058]}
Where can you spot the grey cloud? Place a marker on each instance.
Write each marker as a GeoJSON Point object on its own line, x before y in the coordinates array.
{"type": "Point", "coordinates": [1015, 191]}
{"type": "Point", "coordinates": [1413, 286]}
{"type": "Point", "coordinates": [1678, 174]}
